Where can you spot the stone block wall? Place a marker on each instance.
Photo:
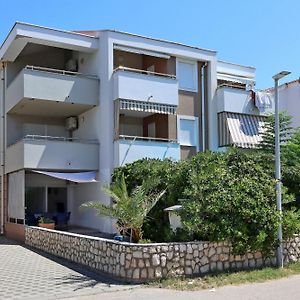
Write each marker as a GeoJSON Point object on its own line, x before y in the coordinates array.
{"type": "Point", "coordinates": [145, 262]}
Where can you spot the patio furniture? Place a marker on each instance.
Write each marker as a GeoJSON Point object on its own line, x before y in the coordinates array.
{"type": "Point", "coordinates": [61, 220]}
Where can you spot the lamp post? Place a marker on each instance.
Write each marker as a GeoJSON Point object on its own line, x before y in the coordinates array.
{"type": "Point", "coordinates": [276, 78]}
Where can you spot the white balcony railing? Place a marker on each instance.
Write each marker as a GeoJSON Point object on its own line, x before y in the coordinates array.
{"type": "Point", "coordinates": [129, 149]}
{"type": "Point", "coordinates": [132, 84]}
{"type": "Point", "coordinates": [236, 100]}
{"type": "Point", "coordinates": [40, 84]}
{"type": "Point", "coordinates": [52, 153]}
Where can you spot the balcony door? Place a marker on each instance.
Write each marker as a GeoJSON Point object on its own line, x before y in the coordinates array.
{"type": "Point", "coordinates": [57, 199]}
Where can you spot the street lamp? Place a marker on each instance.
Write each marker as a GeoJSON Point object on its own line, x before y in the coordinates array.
{"type": "Point", "coordinates": [276, 78]}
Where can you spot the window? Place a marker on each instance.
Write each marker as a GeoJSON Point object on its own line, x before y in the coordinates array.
{"type": "Point", "coordinates": [187, 75]}
{"type": "Point", "coordinates": [187, 131]}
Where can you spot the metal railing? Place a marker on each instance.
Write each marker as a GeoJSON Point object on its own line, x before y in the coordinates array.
{"type": "Point", "coordinates": [146, 138]}
{"type": "Point", "coordinates": [59, 71]}
{"type": "Point", "coordinates": [145, 72]}
{"type": "Point", "coordinates": [36, 137]}
{"type": "Point", "coordinates": [232, 85]}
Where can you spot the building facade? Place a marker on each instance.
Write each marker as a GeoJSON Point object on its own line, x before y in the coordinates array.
{"type": "Point", "coordinates": [75, 105]}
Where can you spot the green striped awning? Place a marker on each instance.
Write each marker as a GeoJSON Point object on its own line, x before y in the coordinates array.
{"type": "Point", "coordinates": [149, 107]}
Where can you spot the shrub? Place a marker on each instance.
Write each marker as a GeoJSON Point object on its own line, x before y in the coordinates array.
{"type": "Point", "coordinates": [231, 197]}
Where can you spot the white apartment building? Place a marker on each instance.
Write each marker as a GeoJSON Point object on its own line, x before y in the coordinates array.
{"type": "Point", "coordinates": [289, 95]}
{"type": "Point", "coordinates": [75, 105]}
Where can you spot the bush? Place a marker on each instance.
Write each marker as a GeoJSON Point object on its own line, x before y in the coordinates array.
{"type": "Point", "coordinates": [231, 198]}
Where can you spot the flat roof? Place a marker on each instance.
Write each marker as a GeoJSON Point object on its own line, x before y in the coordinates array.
{"type": "Point", "coordinates": [43, 27]}
{"type": "Point", "coordinates": [235, 64]}
{"type": "Point", "coordinates": [147, 37]}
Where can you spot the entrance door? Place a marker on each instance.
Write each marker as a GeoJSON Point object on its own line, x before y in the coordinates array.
{"type": "Point", "coordinates": [57, 199]}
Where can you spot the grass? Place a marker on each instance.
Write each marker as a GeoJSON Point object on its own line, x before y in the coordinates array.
{"type": "Point", "coordinates": [229, 278]}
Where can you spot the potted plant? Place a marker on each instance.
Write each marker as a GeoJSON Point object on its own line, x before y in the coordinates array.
{"type": "Point", "coordinates": [46, 223]}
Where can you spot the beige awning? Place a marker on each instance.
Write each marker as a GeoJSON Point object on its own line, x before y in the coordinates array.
{"type": "Point", "coordinates": [240, 130]}
{"type": "Point", "coordinates": [149, 107]}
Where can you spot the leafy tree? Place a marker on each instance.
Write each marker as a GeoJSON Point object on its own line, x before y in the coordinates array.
{"type": "Point", "coordinates": [130, 210]}
{"type": "Point", "coordinates": [291, 150]}
{"type": "Point", "coordinates": [290, 154]}
{"type": "Point", "coordinates": [267, 143]}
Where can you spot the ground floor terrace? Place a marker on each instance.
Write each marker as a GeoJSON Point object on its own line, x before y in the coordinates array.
{"type": "Point", "coordinates": [57, 196]}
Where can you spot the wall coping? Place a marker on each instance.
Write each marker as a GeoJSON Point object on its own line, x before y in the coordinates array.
{"type": "Point", "coordinates": [128, 243]}
{"type": "Point", "coordinates": [117, 242]}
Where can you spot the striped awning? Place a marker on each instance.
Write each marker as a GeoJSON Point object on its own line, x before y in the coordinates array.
{"type": "Point", "coordinates": [240, 130]}
{"type": "Point", "coordinates": [149, 107]}
{"type": "Point", "coordinates": [237, 79]}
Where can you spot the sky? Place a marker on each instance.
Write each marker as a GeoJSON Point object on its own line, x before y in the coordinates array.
{"type": "Point", "coordinates": [259, 33]}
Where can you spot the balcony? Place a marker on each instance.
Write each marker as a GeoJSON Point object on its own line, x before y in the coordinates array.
{"type": "Point", "coordinates": [51, 92]}
{"type": "Point", "coordinates": [52, 153]}
{"type": "Point", "coordinates": [129, 149]}
{"type": "Point", "coordinates": [132, 84]}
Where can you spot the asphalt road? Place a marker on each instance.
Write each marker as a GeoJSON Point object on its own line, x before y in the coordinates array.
{"type": "Point", "coordinates": [282, 289]}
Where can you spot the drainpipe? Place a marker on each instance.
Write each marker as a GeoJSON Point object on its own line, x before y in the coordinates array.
{"type": "Point", "coordinates": [3, 82]}
{"type": "Point", "coordinates": [203, 97]}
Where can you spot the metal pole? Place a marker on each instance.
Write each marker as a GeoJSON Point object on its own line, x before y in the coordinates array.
{"type": "Point", "coordinates": [2, 143]}
{"type": "Point", "coordinates": [278, 178]}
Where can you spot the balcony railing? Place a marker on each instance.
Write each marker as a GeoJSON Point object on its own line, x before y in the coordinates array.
{"type": "Point", "coordinates": [131, 148]}
{"type": "Point", "coordinates": [59, 71]}
{"type": "Point", "coordinates": [145, 86]}
{"type": "Point", "coordinates": [31, 137]}
{"type": "Point", "coordinates": [146, 72]}
{"type": "Point", "coordinates": [34, 85]}
{"type": "Point", "coordinates": [232, 99]}
{"type": "Point", "coordinates": [39, 152]}
{"type": "Point", "coordinates": [146, 138]}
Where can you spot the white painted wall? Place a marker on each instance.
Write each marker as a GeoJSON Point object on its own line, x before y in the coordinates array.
{"type": "Point", "coordinates": [88, 125]}
{"type": "Point", "coordinates": [20, 125]}
{"type": "Point", "coordinates": [289, 101]}
{"type": "Point", "coordinates": [87, 218]}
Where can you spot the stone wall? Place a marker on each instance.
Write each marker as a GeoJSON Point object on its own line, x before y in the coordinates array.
{"type": "Point", "coordinates": [144, 262]}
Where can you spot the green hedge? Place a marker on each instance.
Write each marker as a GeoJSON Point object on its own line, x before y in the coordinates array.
{"type": "Point", "coordinates": [229, 196]}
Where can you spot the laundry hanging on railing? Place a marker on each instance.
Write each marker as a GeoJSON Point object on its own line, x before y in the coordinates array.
{"type": "Point", "coordinates": [263, 101]}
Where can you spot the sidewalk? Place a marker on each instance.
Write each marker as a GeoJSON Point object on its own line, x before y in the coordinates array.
{"type": "Point", "coordinates": [25, 274]}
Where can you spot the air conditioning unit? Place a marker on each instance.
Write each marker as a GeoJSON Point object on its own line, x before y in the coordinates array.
{"type": "Point", "coordinates": [71, 123]}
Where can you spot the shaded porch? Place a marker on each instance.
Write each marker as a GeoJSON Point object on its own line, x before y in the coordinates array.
{"type": "Point", "coordinates": [33, 195]}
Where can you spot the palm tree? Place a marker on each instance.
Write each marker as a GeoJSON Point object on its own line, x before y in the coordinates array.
{"type": "Point", "coordinates": [130, 210]}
